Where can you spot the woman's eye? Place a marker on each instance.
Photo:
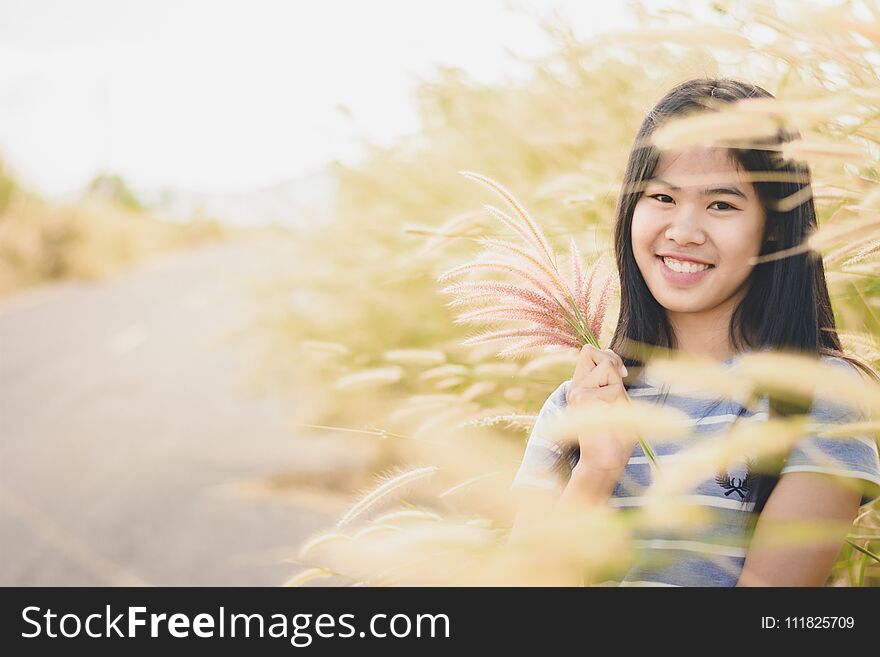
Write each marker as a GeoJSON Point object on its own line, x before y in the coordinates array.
{"type": "Point", "coordinates": [657, 196]}
{"type": "Point", "coordinates": [729, 206]}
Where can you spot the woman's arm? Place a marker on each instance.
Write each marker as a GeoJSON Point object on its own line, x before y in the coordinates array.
{"type": "Point", "coordinates": [590, 485]}
{"type": "Point", "coordinates": [603, 457]}
{"type": "Point", "coordinates": [805, 497]}
{"type": "Point", "coordinates": [587, 486]}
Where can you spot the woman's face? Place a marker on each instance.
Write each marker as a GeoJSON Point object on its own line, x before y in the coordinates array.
{"type": "Point", "coordinates": [719, 223]}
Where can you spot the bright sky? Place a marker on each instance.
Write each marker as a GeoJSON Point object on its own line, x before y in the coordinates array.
{"type": "Point", "coordinates": [215, 95]}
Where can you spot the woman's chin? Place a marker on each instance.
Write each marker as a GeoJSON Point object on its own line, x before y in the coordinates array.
{"type": "Point", "coordinates": [680, 305]}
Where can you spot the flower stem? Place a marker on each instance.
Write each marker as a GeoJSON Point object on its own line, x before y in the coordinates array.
{"type": "Point", "coordinates": [579, 327]}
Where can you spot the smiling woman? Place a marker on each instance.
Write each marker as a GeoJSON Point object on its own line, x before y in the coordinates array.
{"type": "Point", "coordinates": [690, 227]}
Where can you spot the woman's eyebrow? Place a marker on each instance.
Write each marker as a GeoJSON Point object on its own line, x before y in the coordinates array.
{"type": "Point", "coordinates": [733, 190]}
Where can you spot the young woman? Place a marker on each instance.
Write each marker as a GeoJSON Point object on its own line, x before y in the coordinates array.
{"type": "Point", "coordinates": [683, 252]}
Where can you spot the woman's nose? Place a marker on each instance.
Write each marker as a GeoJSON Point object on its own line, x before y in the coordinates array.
{"type": "Point", "coordinates": [685, 227]}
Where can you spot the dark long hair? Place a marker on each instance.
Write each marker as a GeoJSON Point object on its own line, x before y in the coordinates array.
{"type": "Point", "coordinates": [786, 306]}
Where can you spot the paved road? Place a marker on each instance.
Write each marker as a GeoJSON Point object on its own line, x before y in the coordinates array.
{"type": "Point", "coordinates": [124, 429]}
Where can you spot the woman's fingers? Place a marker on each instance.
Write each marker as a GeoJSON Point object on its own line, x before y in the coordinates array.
{"type": "Point", "coordinates": [586, 362]}
{"type": "Point", "coordinates": [611, 392]}
{"type": "Point", "coordinates": [584, 395]}
{"type": "Point", "coordinates": [604, 374]}
{"type": "Point", "coordinates": [590, 358]}
{"type": "Point", "coordinates": [596, 368]}
{"type": "Point", "coordinates": [618, 362]}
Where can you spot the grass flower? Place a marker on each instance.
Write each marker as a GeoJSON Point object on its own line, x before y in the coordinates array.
{"type": "Point", "coordinates": [307, 576]}
{"type": "Point", "coordinates": [369, 378]}
{"type": "Point", "coordinates": [511, 420]}
{"type": "Point", "coordinates": [443, 371]}
{"type": "Point", "coordinates": [415, 357]}
{"type": "Point", "coordinates": [565, 310]}
{"type": "Point", "coordinates": [384, 490]}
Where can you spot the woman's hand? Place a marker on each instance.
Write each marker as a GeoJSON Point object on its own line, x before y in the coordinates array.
{"type": "Point", "coordinates": [598, 379]}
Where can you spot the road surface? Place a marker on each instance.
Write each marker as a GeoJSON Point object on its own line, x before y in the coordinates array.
{"type": "Point", "coordinates": [125, 432]}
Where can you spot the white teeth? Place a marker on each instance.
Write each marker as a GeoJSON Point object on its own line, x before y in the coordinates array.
{"type": "Point", "coordinates": [683, 267]}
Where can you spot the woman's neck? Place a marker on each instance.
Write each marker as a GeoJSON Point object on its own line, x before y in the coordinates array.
{"type": "Point", "coordinates": [705, 333]}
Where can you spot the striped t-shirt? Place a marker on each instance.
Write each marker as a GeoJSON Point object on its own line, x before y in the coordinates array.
{"type": "Point", "coordinates": [711, 555]}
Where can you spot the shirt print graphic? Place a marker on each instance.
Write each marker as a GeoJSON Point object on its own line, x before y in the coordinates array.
{"type": "Point", "coordinates": [736, 484]}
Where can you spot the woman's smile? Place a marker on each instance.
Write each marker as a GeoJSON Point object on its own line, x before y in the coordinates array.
{"type": "Point", "coordinates": [681, 272]}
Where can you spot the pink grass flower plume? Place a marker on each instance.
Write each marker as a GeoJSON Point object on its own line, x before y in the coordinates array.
{"type": "Point", "coordinates": [560, 311]}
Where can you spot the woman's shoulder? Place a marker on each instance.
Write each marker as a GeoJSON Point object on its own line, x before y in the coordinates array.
{"type": "Point", "coordinates": [831, 402]}
{"type": "Point", "coordinates": [838, 361]}
{"type": "Point", "coordinates": [841, 363]}
{"type": "Point", "coordinates": [554, 404]}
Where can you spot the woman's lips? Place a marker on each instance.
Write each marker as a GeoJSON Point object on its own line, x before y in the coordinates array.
{"type": "Point", "coordinates": [682, 278]}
